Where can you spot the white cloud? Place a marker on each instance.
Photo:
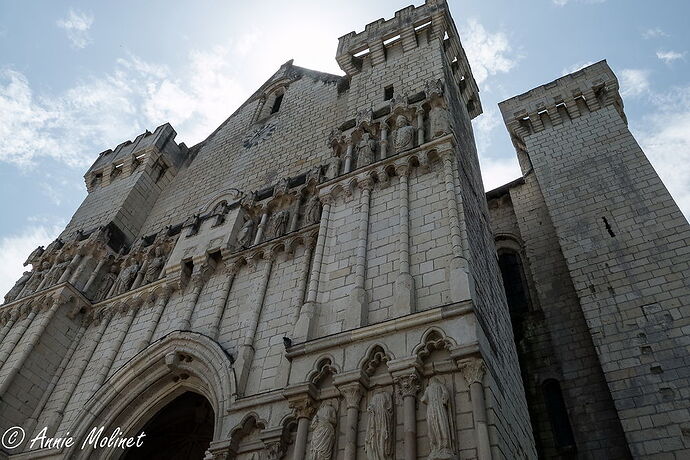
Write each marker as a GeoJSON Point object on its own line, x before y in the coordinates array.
{"type": "Point", "coordinates": [634, 82]}
{"type": "Point", "coordinates": [496, 171]}
{"type": "Point", "coordinates": [77, 25]}
{"type": "Point", "coordinates": [665, 138]}
{"type": "Point", "coordinates": [575, 67]}
{"type": "Point", "coordinates": [99, 113]}
{"type": "Point", "coordinates": [15, 248]}
{"type": "Point", "coordinates": [655, 32]}
{"type": "Point", "coordinates": [669, 56]}
{"type": "Point", "coordinates": [488, 53]}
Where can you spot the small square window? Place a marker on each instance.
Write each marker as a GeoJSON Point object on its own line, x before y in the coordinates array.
{"type": "Point", "coordinates": [388, 93]}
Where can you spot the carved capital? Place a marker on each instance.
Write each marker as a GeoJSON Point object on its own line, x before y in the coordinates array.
{"type": "Point", "coordinates": [274, 449]}
{"type": "Point", "coordinates": [473, 370]}
{"type": "Point", "coordinates": [407, 385]}
{"type": "Point", "coordinates": [233, 267]}
{"type": "Point", "coordinates": [303, 407]}
{"type": "Point", "coordinates": [366, 183]}
{"type": "Point", "coordinates": [353, 394]}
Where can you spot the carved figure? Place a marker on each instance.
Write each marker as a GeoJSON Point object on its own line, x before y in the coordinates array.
{"type": "Point", "coordinates": [437, 402]}
{"type": "Point", "coordinates": [323, 433]}
{"type": "Point", "coordinates": [333, 167]}
{"type": "Point", "coordinates": [125, 279]}
{"type": "Point", "coordinates": [438, 122]}
{"type": "Point", "coordinates": [379, 441]}
{"type": "Point", "coordinates": [34, 256]}
{"type": "Point", "coordinates": [312, 211]}
{"type": "Point", "coordinates": [106, 284]}
{"type": "Point", "coordinates": [55, 245]}
{"type": "Point", "coordinates": [17, 288]}
{"type": "Point", "coordinates": [54, 274]}
{"type": "Point", "coordinates": [404, 134]}
{"type": "Point", "coordinates": [366, 149]}
{"type": "Point", "coordinates": [155, 265]}
{"type": "Point", "coordinates": [279, 223]}
{"type": "Point", "coordinates": [244, 236]}
{"type": "Point", "coordinates": [36, 279]}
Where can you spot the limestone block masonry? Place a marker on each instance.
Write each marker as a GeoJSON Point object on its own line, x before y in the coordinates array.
{"type": "Point", "coordinates": [324, 277]}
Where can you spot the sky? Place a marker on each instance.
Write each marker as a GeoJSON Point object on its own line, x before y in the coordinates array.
{"type": "Point", "coordinates": [79, 77]}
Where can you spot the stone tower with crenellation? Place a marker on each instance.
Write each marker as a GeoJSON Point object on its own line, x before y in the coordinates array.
{"type": "Point", "coordinates": [324, 277]}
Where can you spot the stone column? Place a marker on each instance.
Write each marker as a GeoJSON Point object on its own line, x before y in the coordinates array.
{"type": "Point", "coordinates": [158, 309]}
{"type": "Point", "coordinates": [408, 386]}
{"type": "Point", "coordinates": [28, 347]}
{"type": "Point", "coordinates": [404, 291]}
{"type": "Point", "coordinates": [459, 281]}
{"type": "Point", "coordinates": [384, 141]}
{"type": "Point", "coordinates": [473, 372]}
{"type": "Point", "coordinates": [304, 410]}
{"type": "Point", "coordinates": [348, 157]}
{"type": "Point", "coordinates": [30, 424]}
{"type": "Point", "coordinates": [199, 277]}
{"type": "Point", "coordinates": [420, 126]}
{"type": "Point", "coordinates": [261, 229]}
{"type": "Point", "coordinates": [70, 267]}
{"type": "Point", "coordinates": [359, 301]}
{"type": "Point", "coordinates": [303, 329]}
{"type": "Point", "coordinates": [114, 349]}
{"type": "Point", "coordinates": [73, 379]}
{"type": "Point", "coordinates": [8, 325]}
{"type": "Point", "coordinates": [13, 339]}
{"type": "Point", "coordinates": [294, 215]}
{"type": "Point", "coordinates": [140, 275]}
{"type": "Point", "coordinates": [245, 355]}
{"type": "Point", "coordinates": [353, 395]}
{"type": "Point", "coordinates": [94, 274]}
{"type": "Point", "coordinates": [230, 270]}
{"type": "Point", "coordinates": [301, 293]}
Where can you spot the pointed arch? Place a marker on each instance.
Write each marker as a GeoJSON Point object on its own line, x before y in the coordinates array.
{"type": "Point", "coordinates": [178, 362]}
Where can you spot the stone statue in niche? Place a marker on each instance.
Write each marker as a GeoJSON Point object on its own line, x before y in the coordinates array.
{"type": "Point", "coordinates": [55, 273]}
{"type": "Point", "coordinates": [279, 223]}
{"type": "Point", "coordinates": [106, 284]}
{"type": "Point", "coordinates": [244, 236]}
{"type": "Point", "coordinates": [312, 211]}
{"type": "Point", "coordinates": [36, 279]}
{"type": "Point", "coordinates": [379, 440]}
{"type": "Point", "coordinates": [404, 134]}
{"type": "Point", "coordinates": [437, 402]}
{"type": "Point", "coordinates": [438, 122]}
{"type": "Point", "coordinates": [17, 288]}
{"type": "Point", "coordinates": [155, 265]}
{"type": "Point", "coordinates": [323, 433]}
{"type": "Point", "coordinates": [333, 167]}
{"type": "Point", "coordinates": [366, 150]}
{"type": "Point", "coordinates": [125, 278]}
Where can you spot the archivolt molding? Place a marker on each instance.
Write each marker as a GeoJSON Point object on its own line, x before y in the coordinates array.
{"type": "Point", "coordinates": [178, 362]}
{"type": "Point", "coordinates": [433, 339]}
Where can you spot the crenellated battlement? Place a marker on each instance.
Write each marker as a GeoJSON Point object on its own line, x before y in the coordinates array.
{"type": "Point", "coordinates": [564, 99]}
{"type": "Point", "coordinates": [147, 148]}
{"type": "Point", "coordinates": [410, 28]}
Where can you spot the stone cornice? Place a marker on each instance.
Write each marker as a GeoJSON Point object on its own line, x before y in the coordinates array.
{"type": "Point", "coordinates": [379, 329]}
{"type": "Point", "coordinates": [55, 291]}
{"type": "Point", "coordinates": [379, 169]}
{"type": "Point", "coordinates": [588, 89]}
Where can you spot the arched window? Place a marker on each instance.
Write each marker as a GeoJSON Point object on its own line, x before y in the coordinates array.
{"type": "Point", "coordinates": [514, 282]}
{"type": "Point", "coordinates": [271, 104]}
{"type": "Point", "coordinates": [558, 415]}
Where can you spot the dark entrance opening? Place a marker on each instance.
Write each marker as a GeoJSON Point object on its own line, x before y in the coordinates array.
{"type": "Point", "coordinates": [181, 430]}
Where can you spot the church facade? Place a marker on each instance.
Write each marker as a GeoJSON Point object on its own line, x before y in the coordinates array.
{"type": "Point", "coordinates": [324, 277]}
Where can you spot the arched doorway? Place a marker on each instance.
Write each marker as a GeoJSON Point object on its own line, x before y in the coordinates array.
{"type": "Point", "coordinates": [183, 429]}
